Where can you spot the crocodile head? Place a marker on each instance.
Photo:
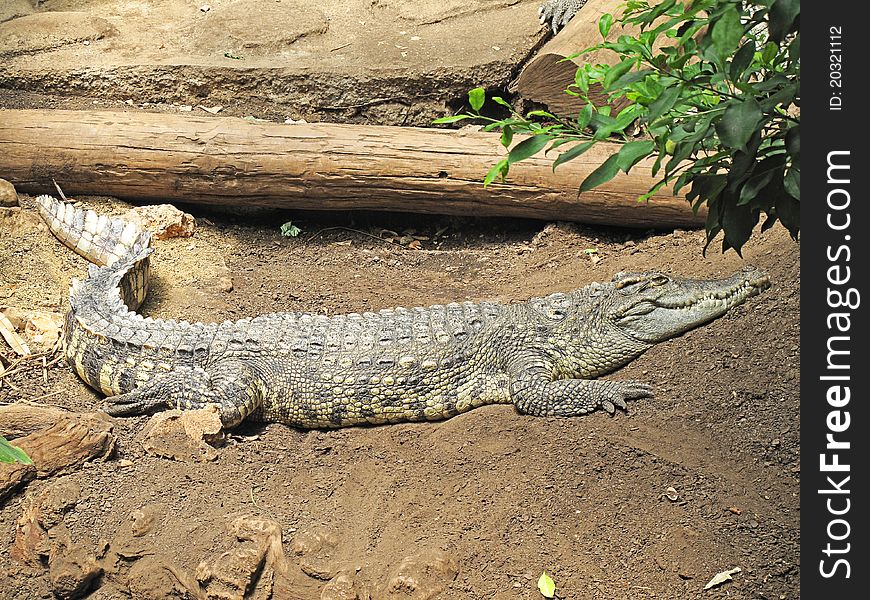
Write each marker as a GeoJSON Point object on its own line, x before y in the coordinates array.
{"type": "Point", "coordinates": [652, 307]}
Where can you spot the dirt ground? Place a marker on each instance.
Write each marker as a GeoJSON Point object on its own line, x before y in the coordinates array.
{"type": "Point", "coordinates": [700, 479]}
{"type": "Point", "coordinates": [504, 496]}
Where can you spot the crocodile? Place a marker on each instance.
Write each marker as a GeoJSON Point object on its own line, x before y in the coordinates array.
{"type": "Point", "coordinates": [309, 371]}
{"type": "Point", "coordinates": [557, 13]}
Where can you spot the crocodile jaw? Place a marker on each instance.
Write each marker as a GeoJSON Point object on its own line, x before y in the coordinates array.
{"type": "Point", "coordinates": [679, 305]}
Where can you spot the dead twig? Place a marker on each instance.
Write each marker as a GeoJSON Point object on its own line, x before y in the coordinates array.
{"type": "Point", "coordinates": [359, 231]}
{"type": "Point", "coordinates": [15, 341]}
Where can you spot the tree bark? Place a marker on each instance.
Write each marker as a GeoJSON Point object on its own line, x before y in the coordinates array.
{"type": "Point", "coordinates": [223, 160]}
{"type": "Point", "coordinates": [545, 78]}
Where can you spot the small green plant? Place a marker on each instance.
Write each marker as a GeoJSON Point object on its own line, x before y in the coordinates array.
{"type": "Point", "coordinates": [715, 86]}
{"type": "Point", "coordinates": [288, 229]}
{"type": "Point", "coordinates": [12, 454]}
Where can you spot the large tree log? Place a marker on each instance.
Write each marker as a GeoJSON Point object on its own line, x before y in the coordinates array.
{"type": "Point", "coordinates": [545, 78]}
{"type": "Point", "coordinates": [222, 160]}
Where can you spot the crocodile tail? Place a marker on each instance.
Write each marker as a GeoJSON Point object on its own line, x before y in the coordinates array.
{"type": "Point", "coordinates": [100, 239]}
{"type": "Point", "coordinates": [111, 243]}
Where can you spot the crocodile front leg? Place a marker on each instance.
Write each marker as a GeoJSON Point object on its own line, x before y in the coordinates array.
{"type": "Point", "coordinates": [236, 389]}
{"type": "Point", "coordinates": [535, 391]}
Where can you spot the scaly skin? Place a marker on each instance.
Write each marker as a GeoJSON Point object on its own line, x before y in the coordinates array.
{"type": "Point", "coordinates": [558, 12]}
{"type": "Point", "coordinates": [313, 371]}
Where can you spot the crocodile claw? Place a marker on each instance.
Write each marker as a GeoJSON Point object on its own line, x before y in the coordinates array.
{"type": "Point", "coordinates": [558, 12]}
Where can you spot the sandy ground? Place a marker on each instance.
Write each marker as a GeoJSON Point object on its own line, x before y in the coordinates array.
{"type": "Point", "coordinates": [501, 497]}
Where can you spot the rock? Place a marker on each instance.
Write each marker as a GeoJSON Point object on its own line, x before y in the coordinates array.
{"type": "Point", "coordinates": [242, 572]}
{"type": "Point", "coordinates": [41, 512]}
{"type": "Point", "coordinates": [8, 195]}
{"type": "Point", "coordinates": [225, 284]}
{"type": "Point", "coordinates": [43, 328]}
{"type": "Point", "coordinates": [71, 571]}
{"type": "Point", "coordinates": [48, 30]}
{"type": "Point", "coordinates": [280, 26]}
{"type": "Point", "coordinates": [163, 220]}
{"type": "Point", "coordinates": [151, 578]}
{"type": "Point", "coordinates": [12, 9]}
{"type": "Point", "coordinates": [422, 576]}
{"type": "Point", "coordinates": [315, 550]}
{"type": "Point", "coordinates": [183, 435]}
{"type": "Point", "coordinates": [343, 587]}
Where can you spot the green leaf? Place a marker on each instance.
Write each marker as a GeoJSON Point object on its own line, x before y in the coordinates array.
{"type": "Point", "coordinates": [502, 101]}
{"type": "Point", "coordinates": [528, 147]}
{"type": "Point", "coordinates": [788, 210]}
{"type": "Point", "coordinates": [782, 16]}
{"type": "Point", "coordinates": [12, 454]}
{"type": "Point", "coordinates": [288, 229]}
{"type": "Point", "coordinates": [499, 169]}
{"type": "Point", "coordinates": [451, 119]}
{"type": "Point", "coordinates": [617, 71]}
{"type": "Point", "coordinates": [769, 52]}
{"type": "Point", "coordinates": [727, 32]}
{"type": "Point", "coordinates": [749, 190]}
{"type": "Point", "coordinates": [737, 223]}
{"type": "Point", "coordinates": [541, 113]}
{"type": "Point", "coordinates": [507, 134]}
{"type": "Point", "coordinates": [604, 173]}
{"type": "Point", "coordinates": [581, 79]}
{"type": "Point", "coordinates": [546, 585]}
{"type": "Point", "coordinates": [738, 123]}
{"type": "Point", "coordinates": [742, 59]}
{"type": "Point", "coordinates": [664, 102]}
{"type": "Point", "coordinates": [476, 98]}
{"type": "Point", "coordinates": [793, 142]}
{"type": "Point", "coordinates": [604, 24]}
{"type": "Point", "coordinates": [585, 116]}
{"type": "Point", "coordinates": [631, 77]}
{"type": "Point", "coordinates": [792, 182]}
{"type": "Point", "coordinates": [633, 152]}
{"type": "Point", "coordinates": [572, 153]}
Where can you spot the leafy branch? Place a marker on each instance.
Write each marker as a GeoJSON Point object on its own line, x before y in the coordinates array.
{"type": "Point", "coordinates": [714, 86]}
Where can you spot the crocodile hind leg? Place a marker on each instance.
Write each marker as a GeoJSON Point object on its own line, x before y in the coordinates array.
{"type": "Point", "coordinates": [236, 390]}
{"type": "Point", "coordinates": [534, 391]}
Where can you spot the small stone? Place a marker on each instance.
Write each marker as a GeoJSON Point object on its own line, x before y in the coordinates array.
{"type": "Point", "coordinates": [125, 462]}
{"type": "Point", "coordinates": [8, 195]}
{"type": "Point", "coordinates": [44, 328]}
{"type": "Point", "coordinates": [225, 284]}
{"type": "Point", "coordinates": [163, 220]}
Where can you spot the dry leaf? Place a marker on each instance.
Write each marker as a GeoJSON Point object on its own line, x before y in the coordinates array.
{"type": "Point", "coordinates": [722, 577]}
{"type": "Point", "coordinates": [546, 585]}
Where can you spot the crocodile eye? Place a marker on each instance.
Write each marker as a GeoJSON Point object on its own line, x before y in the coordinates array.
{"type": "Point", "coordinates": [659, 280]}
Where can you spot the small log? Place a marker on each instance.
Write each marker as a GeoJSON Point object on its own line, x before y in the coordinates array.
{"type": "Point", "coordinates": [20, 418]}
{"type": "Point", "coordinates": [545, 78]}
{"type": "Point", "coordinates": [69, 442]}
{"type": "Point", "coordinates": [13, 476]}
{"type": "Point", "coordinates": [224, 160]}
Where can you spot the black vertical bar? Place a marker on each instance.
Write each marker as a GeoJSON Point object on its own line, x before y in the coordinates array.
{"type": "Point", "coordinates": [834, 344]}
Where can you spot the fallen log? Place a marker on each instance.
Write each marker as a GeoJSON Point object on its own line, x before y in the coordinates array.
{"type": "Point", "coordinates": [545, 77]}
{"type": "Point", "coordinates": [230, 161]}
